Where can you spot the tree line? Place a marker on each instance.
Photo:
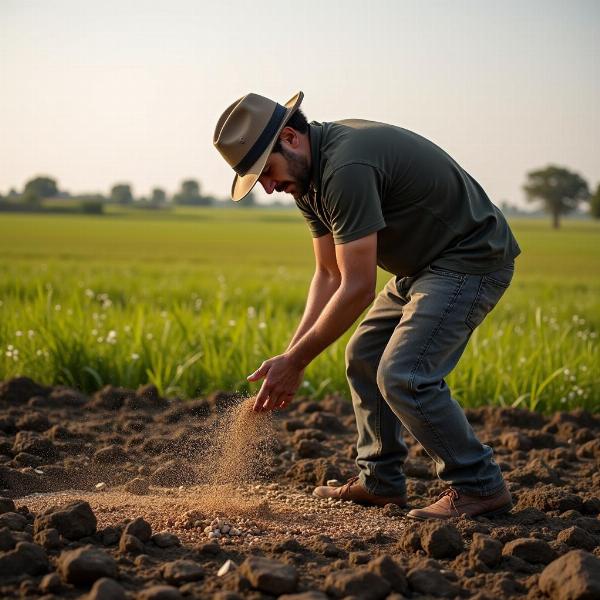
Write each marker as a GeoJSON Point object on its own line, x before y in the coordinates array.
{"type": "Point", "coordinates": [560, 190]}
{"type": "Point", "coordinates": [41, 188]}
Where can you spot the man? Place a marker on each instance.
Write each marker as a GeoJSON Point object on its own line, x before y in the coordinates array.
{"type": "Point", "coordinates": [375, 194]}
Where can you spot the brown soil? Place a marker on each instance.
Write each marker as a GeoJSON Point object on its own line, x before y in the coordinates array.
{"type": "Point", "coordinates": [206, 468]}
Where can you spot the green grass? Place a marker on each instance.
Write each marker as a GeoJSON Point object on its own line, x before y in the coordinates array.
{"type": "Point", "coordinates": [197, 298]}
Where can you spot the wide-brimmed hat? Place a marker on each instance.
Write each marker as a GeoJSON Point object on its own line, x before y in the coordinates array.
{"type": "Point", "coordinates": [246, 134]}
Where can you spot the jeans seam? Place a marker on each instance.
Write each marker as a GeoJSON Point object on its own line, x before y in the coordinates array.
{"type": "Point", "coordinates": [419, 361]}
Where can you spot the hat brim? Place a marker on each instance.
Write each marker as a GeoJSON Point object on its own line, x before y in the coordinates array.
{"type": "Point", "coordinates": [242, 185]}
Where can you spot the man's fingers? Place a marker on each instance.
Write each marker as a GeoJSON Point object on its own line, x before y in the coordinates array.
{"type": "Point", "coordinates": [259, 373]}
{"type": "Point", "coordinates": [261, 398]}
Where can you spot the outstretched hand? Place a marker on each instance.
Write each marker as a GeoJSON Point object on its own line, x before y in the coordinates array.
{"type": "Point", "coordinates": [282, 379]}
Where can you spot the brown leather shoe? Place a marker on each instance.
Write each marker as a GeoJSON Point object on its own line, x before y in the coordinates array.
{"type": "Point", "coordinates": [451, 504]}
{"type": "Point", "coordinates": [353, 491]}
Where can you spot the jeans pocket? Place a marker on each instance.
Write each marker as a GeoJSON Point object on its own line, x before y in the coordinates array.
{"type": "Point", "coordinates": [491, 288]}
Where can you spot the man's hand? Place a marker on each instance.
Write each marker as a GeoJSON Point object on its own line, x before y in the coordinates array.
{"type": "Point", "coordinates": [282, 379]}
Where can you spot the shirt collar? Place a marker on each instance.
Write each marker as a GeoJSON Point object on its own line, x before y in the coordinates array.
{"type": "Point", "coordinates": [315, 132]}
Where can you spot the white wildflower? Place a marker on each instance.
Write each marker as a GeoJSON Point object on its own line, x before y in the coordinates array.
{"type": "Point", "coordinates": [18, 333]}
{"type": "Point", "coordinates": [135, 356]}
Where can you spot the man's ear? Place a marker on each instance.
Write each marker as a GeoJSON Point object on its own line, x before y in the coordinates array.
{"type": "Point", "coordinates": [290, 136]}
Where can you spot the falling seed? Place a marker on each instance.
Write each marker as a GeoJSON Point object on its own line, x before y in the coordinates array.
{"type": "Point", "coordinates": [101, 485]}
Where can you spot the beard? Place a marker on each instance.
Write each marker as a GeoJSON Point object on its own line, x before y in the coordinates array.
{"type": "Point", "coordinates": [299, 171]}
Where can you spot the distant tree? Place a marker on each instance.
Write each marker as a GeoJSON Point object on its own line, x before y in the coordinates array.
{"type": "Point", "coordinates": [190, 194]}
{"type": "Point", "coordinates": [12, 193]}
{"type": "Point", "coordinates": [31, 197]}
{"type": "Point", "coordinates": [158, 197]}
{"type": "Point", "coordinates": [42, 187]}
{"type": "Point", "coordinates": [121, 193]}
{"type": "Point", "coordinates": [561, 190]}
{"type": "Point", "coordinates": [595, 203]}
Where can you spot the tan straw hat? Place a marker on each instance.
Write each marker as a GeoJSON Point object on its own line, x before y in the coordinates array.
{"type": "Point", "coordinates": [246, 134]}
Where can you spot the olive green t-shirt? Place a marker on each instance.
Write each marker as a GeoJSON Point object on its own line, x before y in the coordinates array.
{"type": "Point", "coordinates": [368, 176]}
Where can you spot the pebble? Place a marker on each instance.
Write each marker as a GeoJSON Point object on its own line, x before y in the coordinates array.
{"type": "Point", "coordinates": [226, 567]}
{"type": "Point", "coordinates": [101, 486]}
{"type": "Point", "coordinates": [334, 482]}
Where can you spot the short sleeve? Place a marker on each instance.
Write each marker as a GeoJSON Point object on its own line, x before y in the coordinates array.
{"type": "Point", "coordinates": [352, 200]}
{"type": "Point", "coordinates": [316, 226]}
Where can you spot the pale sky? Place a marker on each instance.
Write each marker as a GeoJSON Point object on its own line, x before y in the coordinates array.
{"type": "Point", "coordinates": [95, 93]}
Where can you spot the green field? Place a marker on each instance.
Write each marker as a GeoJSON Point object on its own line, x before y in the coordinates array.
{"type": "Point", "coordinates": [195, 299]}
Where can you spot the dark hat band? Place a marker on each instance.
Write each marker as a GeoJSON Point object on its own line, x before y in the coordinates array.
{"type": "Point", "coordinates": [261, 144]}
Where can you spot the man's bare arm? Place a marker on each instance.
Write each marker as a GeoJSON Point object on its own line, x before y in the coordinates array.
{"type": "Point", "coordinates": [357, 263]}
{"type": "Point", "coordinates": [324, 284]}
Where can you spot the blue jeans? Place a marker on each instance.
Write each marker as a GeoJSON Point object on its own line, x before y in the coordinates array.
{"type": "Point", "coordinates": [396, 362]}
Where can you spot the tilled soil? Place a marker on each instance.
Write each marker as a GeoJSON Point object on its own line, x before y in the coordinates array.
{"type": "Point", "coordinates": [116, 496]}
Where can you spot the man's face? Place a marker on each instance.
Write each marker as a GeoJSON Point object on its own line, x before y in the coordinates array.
{"type": "Point", "coordinates": [287, 171]}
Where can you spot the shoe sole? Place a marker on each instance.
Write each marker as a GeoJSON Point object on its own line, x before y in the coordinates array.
{"type": "Point", "coordinates": [492, 513]}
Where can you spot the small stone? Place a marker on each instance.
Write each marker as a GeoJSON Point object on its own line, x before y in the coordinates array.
{"type": "Point", "coordinates": [50, 583]}
{"type": "Point", "coordinates": [130, 544]}
{"type": "Point", "coordinates": [74, 521]}
{"type": "Point", "coordinates": [486, 549]}
{"type": "Point", "coordinates": [159, 592]}
{"type": "Point", "coordinates": [106, 589]}
{"type": "Point", "coordinates": [391, 571]}
{"type": "Point", "coordinates": [358, 583]}
{"type": "Point", "coordinates": [26, 558]}
{"type": "Point", "coordinates": [577, 538]}
{"type": "Point", "coordinates": [101, 486]}
{"type": "Point", "coordinates": [429, 581]}
{"type": "Point", "coordinates": [7, 505]}
{"type": "Point", "coordinates": [7, 541]}
{"type": "Point", "coordinates": [48, 539]}
{"type": "Point", "coordinates": [109, 536]}
{"type": "Point", "coordinates": [334, 482]}
{"type": "Point", "coordinates": [140, 528]}
{"type": "Point", "coordinates": [181, 571]}
{"type": "Point", "coordinates": [269, 576]}
{"type": "Point", "coordinates": [531, 550]}
{"type": "Point", "coordinates": [83, 566]}
{"type": "Point", "coordinates": [226, 567]}
{"type": "Point", "coordinates": [32, 442]}
{"type": "Point", "coordinates": [165, 539]}
{"type": "Point", "coordinates": [441, 540]}
{"type": "Point", "coordinates": [210, 548]}
{"type": "Point", "coordinates": [112, 454]}
{"type": "Point", "coordinates": [573, 576]}
{"type": "Point", "coordinates": [13, 520]}
{"type": "Point", "coordinates": [359, 558]}
{"type": "Point", "coordinates": [139, 486]}
{"type": "Point", "coordinates": [34, 421]}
